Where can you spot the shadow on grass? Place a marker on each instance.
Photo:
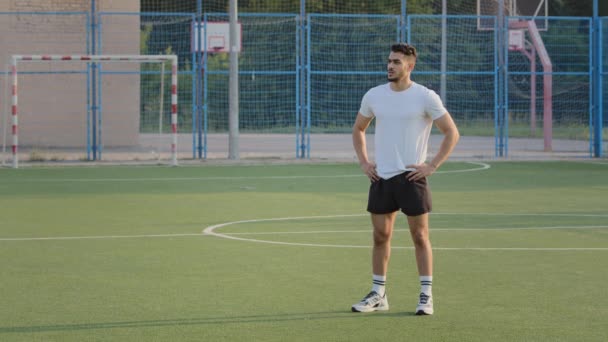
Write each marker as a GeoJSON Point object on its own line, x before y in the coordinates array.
{"type": "Point", "coordinates": [202, 321]}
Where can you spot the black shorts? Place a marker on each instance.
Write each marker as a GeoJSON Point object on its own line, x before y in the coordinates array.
{"type": "Point", "coordinates": [389, 195]}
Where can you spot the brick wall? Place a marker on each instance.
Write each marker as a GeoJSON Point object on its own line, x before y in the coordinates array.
{"type": "Point", "coordinates": [52, 107]}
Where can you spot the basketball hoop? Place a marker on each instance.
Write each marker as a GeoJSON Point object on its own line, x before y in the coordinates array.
{"type": "Point", "coordinates": [517, 40]}
{"type": "Point", "coordinates": [516, 10]}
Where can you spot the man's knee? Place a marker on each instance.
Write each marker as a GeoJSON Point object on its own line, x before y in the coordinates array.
{"type": "Point", "coordinates": [420, 237]}
{"type": "Point", "coordinates": [381, 237]}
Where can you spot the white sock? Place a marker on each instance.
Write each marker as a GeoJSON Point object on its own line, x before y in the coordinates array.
{"type": "Point", "coordinates": [378, 284]}
{"type": "Point", "coordinates": [426, 285]}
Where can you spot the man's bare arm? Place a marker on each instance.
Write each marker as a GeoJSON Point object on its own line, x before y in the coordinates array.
{"type": "Point", "coordinates": [360, 145]}
{"type": "Point", "coordinates": [450, 138]}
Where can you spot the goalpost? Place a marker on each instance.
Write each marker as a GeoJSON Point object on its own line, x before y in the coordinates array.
{"type": "Point", "coordinates": [16, 59]}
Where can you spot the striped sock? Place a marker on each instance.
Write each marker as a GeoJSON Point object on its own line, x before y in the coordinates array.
{"type": "Point", "coordinates": [426, 285]}
{"type": "Point", "coordinates": [378, 284]}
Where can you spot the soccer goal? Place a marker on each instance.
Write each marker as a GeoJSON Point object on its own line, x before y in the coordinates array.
{"type": "Point", "coordinates": [80, 107]}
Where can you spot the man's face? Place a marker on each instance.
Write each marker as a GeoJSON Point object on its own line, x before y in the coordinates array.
{"type": "Point", "coordinates": [399, 66]}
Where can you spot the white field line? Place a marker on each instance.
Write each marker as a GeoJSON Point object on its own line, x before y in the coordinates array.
{"type": "Point", "coordinates": [101, 237]}
{"type": "Point", "coordinates": [481, 166]}
{"type": "Point", "coordinates": [488, 230]}
{"type": "Point", "coordinates": [211, 231]}
{"type": "Point", "coordinates": [404, 247]}
{"type": "Point", "coordinates": [98, 237]}
{"type": "Point", "coordinates": [525, 214]}
{"type": "Point", "coordinates": [598, 162]}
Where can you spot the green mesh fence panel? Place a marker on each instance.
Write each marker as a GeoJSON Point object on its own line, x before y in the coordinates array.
{"type": "Point", "coordinates": [267, 76]}
{"type": "Point", "coordinates": [469, 68]}
{"type": "Point", "coordinates": [347, 57]}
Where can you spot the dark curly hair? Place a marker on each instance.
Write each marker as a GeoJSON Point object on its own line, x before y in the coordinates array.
{"type": "Point", "coordinates": [404, 48]}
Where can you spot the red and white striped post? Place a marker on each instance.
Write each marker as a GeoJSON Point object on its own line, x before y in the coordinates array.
{"type": "Point", "coordinates": [15, 118]}
{"type": "Point", "coordinates": [95, 58]}
{"type": "Point", "coordinates": [174, 110]}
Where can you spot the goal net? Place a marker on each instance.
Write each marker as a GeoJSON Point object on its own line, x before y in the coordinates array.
{"type": "Point", "coordinates": [79, 108]}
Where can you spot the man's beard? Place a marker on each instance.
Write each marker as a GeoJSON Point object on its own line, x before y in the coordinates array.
{"type": "Point", "coordinates": [394, 78]}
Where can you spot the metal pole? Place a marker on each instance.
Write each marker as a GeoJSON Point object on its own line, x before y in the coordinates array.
{"type": "Point", "coordinates": [198, 127]}
{"type": "Point", "coordinates": [233, 96]}
{"type": "Point", "coordinates": [403, 21]}
{"type": "Point", "coordinates": [205, 85]}
{"type": "Point", "coordinates": [160, 108]}
{"type": "Point", "coordinates": [301, 134]}
{"type": "Point", "coordinates": [596, 84]}
{"type": "Point", "coordinates": [502, 74]}
{"type": "Point", "coordinates": [93, 79]}
{"type": "Point", "coordinates": [4, 111]}
{"type": "Point", "coordinates": [444, 49]}
{"type": "Point", "coordinates": [15, 113]}
{"type": "Point", "coordinates": [533, 92]}
{"type": "Point", "coordinates": [174, 68]}
{"type": "Point", "coordinates": [88, 83]}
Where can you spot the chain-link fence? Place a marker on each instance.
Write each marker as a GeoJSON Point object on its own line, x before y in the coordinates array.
{"type": "Point", "coordinates": [303, 68]}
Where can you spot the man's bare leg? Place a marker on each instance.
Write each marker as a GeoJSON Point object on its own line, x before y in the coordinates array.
{"type": "Point", "coordinates": [383, 232]}
{"type": "Point", "coordinates": [377, 300]}
{"type": "Point", "coordinates": [419, 230]}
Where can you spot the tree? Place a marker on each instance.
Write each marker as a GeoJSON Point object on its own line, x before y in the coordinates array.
{"type": "Point", "coordinates": [571, 8]}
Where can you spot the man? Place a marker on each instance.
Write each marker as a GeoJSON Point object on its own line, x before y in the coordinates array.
{"type": "Point", "coordinates": [404, 112]}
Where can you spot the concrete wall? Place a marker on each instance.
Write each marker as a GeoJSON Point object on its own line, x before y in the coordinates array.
{"type": "Point", "coordinates": [52, 107]}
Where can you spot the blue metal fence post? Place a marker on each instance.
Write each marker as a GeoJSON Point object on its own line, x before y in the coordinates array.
{"type": "Point", "coordinates": [504, 90]}
{"type": "Point", "coordinates": [93, 79]}
{"type": "Point", "coordinates": [197, 117]}
{"type": "Point", "coordinates": [596, 83]}
{"type": "Point", "coordinates": [301, 84]}
{"type": "Point", "coordinates": [496, 91]}
{"type": "Point", "coordinates": [600, 91]}
{"type": "Point", "coordinates": [297, 85]}
{"type": "Point", "coordinates": [501, 115]}
{"type": "Point", "coordinates": [205, 81]}
{"type": "Point", "coordinates": [305, 82]}
{"type": "Point", "coordinates": [402, 27]}
{"type": "Point", "coordinates": [308, 70]}
{"type": "Point", "coordinates": [88, 82]}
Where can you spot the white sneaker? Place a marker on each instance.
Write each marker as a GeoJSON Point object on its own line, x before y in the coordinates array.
{"type": "Point", "coordinates": [372, 302]}
{"type": "Point", "coordinates": [425, 305]}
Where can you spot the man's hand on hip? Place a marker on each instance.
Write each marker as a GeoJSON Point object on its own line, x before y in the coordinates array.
{"type": "Point", "coordinates": [420, 171]}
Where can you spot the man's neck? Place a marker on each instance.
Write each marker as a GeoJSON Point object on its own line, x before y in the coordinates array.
{"type": "Point", "coordinates": [401, 85]}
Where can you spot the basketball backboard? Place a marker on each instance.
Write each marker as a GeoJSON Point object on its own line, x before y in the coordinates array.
{"type": "Point", "coordinates": [517, 40]}
{"type": "Point", "coordinates": [215, 36]}
{"type": "Point", "coordinates": [536, 10]}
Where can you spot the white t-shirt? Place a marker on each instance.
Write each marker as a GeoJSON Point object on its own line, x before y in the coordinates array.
{"type": "Point", "coordinates": [403, 125]}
